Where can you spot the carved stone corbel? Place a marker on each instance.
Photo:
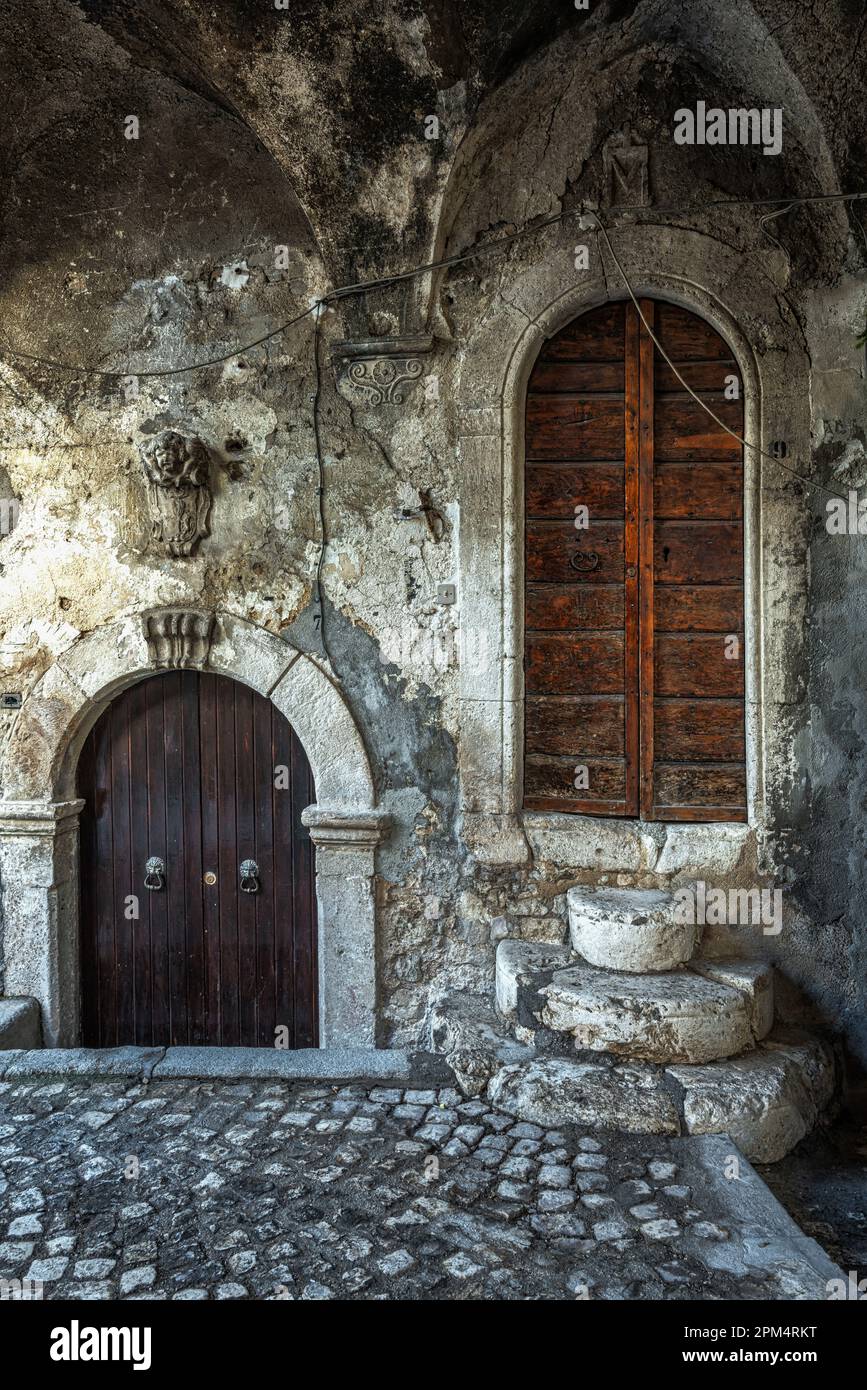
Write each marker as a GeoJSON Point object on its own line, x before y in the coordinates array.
{"type": "Point", "coordinates": [380, 370]}
{"type": "Point", "coordinates": [177, 468]}
{"type": "Point", "coordinates": [178, 638]}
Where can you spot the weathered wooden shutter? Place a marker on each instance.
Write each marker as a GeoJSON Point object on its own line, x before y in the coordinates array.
{"type": "Point", "coordinates": [693, 750]}
{"type": "Point", "coordinates": [581, 711]}
{"type": "Point", "coordinates": [634, 626]}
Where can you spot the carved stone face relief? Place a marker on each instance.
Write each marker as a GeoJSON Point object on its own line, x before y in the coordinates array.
{"type": "Point", "coordinates": [177, 468]}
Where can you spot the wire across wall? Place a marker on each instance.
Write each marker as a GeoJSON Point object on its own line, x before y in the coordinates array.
{"type": "Point", "coordinates": [776, 207]}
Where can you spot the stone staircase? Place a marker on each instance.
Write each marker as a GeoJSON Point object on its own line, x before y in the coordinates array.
{"type": "Point", "coordinates": [625, 1028]}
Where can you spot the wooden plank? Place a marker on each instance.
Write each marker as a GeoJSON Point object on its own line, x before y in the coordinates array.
{"type": "Point", "coordinates": [699, 814]}
{"type": "Point", "coordinates": [176, 858]}
{"type": "Point", "coordinates": [685, 337]}
{"type": "Point", "coordinates": [699, 552]}
{"type": "Point", "coordinates": [631, 562]}
{"type": "Point", "coordinates": [138, 932]}
{"type": "Point", "coordinates": [701, 784]}
{"type": "Point", "coordinates": [596, 336]}
{"type": "Point", "coordinates": [552, 546]}
{"type": "Point", "coordinates": [550, 607]}
{"type": "Point", "coordinates": [696, 664]}
{"type": "Point", "coordinates": [245, 830]}
{"type": "Point", "coordinates": [559, 724]}
{"type": "Point", "coordinates": [228, 860]}
{"type": "Point", "coordinates": [555, 490]}
{"type": "Point", "coordinates": [210, 807]}
{"type": "Point", "coordinates": [699, 490]}
{"type": "Point", "coordinates": [553, 779]}
{"type": "Point", "coordinates": [561, 375]}
{"type": "Point", "coordinates": [196, 984]}
{"type": "Point", "coordinates": [158, 1023]}
{"type": "Point", "coordinates": [684, 430]}
{"type": "Point", "coordinates": [646, 663]}
{"type": "Point", "coordinates": [122, 861]}
{"type": "Point", "coordinates": [704, 730]}
{"type": "Point", "coordinates": [699, 608]}
{"type": "Point", "coordinates": [574, 664]}
{"type": "Point", "coordinates": [574, 427]}
{"type": "Point", "coordinates": [701, 376]}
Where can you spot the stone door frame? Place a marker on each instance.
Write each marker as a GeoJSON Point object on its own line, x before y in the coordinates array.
{"type": "Point", "coordinates": [39, 813]}
{"type": "Point", "coordinates": [739, 296]}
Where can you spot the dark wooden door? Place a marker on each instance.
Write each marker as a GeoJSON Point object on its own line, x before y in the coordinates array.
{"type": "Point", "coordinates": [203, 773]}
{"type": "Point", "coordinates": [634, 630]}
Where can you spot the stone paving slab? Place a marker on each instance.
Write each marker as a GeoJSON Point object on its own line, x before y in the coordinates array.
{"type": "Point", "coordinates": [200, 1189]}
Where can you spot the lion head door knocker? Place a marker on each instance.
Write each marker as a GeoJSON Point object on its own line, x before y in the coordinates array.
{"type": "Point", "coordinates": [177, 468]}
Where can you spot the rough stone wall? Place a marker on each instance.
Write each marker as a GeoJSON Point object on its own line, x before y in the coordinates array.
{"type": "Point", "coordinates": [262, 128]}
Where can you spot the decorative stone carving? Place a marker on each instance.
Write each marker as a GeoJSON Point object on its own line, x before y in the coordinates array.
{"type": "Point", "coordinates": [177, 638]}
{"type": "Point", "coordinates": [177, 468]}
{"type": "Point", "coordinates": [381, 369]}
{"type": "Point", "coordinates": [625, 167]}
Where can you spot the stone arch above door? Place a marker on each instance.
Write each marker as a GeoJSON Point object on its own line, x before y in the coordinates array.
{"type": "Point", "coordinates": [743, 298]}
{"type": "Point", "coordinates": [39, 810]}
{"type": "Point", "coordinates": [42, 752]}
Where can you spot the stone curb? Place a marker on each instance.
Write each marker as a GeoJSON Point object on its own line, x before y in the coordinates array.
{"type": "Point", "coordinates": [229, 1064]}
{"type": "Point", "coordinates": [772, 1238]}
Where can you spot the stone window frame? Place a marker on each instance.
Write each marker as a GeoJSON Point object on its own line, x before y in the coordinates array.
{"type": "Point", "coordinates": [39, 814]}
{"type": "Point", "coordinates": [744, 302]}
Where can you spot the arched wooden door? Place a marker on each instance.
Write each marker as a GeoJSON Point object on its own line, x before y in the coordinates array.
{"type": "Point", "coordinates": [634, 603]}
{"type": "Point", "coordinates": [203, 774]}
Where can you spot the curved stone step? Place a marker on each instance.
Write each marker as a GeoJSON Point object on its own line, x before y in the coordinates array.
{"type": "Point", "coordinates": [765, 1102]}
{"type": "Point", "coordinates": [519, 963]}
{"type": "Point", "coordinates": [629, 929]}
{"type": "Point", "coordinates": [676, 1016]}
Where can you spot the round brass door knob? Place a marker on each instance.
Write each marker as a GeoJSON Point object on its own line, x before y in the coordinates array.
{"type": "Point", "coordinates": [210, 878]}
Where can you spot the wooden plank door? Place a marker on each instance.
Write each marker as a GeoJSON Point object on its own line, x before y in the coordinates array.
{"type": "Point", "coordinates": [202, 773]}
{"type": "Point", "coordinates": [634, 650]}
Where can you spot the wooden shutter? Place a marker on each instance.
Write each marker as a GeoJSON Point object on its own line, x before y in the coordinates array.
{"type": "Point", "coordinates": [634, 628]}
{"type": "Point", "coordinates": [580, 666]}
{"type": "Point", "coordinates": [693, 700]}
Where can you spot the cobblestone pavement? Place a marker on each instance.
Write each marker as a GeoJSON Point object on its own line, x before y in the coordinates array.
{"type": "Point", "coordinates": [192, 1190]}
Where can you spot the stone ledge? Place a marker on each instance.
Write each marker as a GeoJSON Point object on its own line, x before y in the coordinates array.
{"type": "Point", "coordinates": [77, 1061]}
{"type": "Point", "coordinates": [229, 1063]}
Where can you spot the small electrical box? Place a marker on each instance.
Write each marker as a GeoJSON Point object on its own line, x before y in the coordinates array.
{"type": "Point", "coordinates": [447, 593]}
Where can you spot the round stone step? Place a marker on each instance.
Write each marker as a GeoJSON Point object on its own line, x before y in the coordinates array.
{"type": "Point", "coordinates": [678, 1016]}
{"type": "Point", "coordinates": [629, 929]}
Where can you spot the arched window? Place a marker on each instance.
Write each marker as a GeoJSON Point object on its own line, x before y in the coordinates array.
{"type": "Point", "coordinates": [634, 571]}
